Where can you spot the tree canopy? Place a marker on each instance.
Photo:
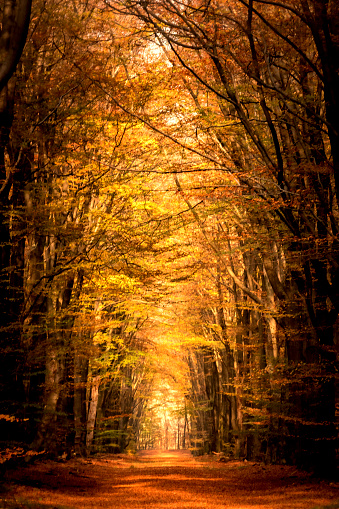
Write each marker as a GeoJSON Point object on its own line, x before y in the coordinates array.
{"type": "Point", "coordinates": [169, 228]}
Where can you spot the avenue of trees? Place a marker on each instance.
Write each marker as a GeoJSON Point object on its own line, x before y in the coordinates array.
{"type": "Point", "coordinates": [169, 227]}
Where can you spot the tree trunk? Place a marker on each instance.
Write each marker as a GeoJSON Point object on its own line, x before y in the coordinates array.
{"type": "Point", "coordinates": [92, 411]}
{"type": "Point", "coordinates": [80, 406]}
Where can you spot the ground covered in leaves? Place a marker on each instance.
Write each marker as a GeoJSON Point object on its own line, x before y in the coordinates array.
{"type": "Point", "coordinates": [163, 480]}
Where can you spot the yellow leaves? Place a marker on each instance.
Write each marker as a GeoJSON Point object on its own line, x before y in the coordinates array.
{"type": "Point", "coordinates": [108, 339]}
{"type": "Point", "coordinates": [197, 342]}
{"type": "Point", "coordinates": [179, 337]}
{"type": "Point", "coordinates": [121, 282]}
{"type": "Point", "coordinates": [114, 287]}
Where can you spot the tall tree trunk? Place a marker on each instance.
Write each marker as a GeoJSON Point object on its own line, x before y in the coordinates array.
{"type": "Point", "coordinates": [92, 411]}
{"type": "Point", "coordinates": [80, 404]}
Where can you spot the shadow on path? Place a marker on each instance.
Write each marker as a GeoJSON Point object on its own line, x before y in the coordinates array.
{"type": "Point", "coordinates": [165, 480]}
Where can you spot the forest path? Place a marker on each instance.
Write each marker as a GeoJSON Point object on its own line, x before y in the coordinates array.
{"type": "Point", "coordinates": [164, 480]}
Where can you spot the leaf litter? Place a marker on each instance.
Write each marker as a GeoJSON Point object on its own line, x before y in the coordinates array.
{"type": "Point", "coordinates": [163, 480]}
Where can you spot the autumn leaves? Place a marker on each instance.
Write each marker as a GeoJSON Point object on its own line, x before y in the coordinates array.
{"type": "Point", "coordinates": [181, 156]}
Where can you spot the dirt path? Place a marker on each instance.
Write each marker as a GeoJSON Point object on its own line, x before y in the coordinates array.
{"type": "Point", "coordinates": [164, 480]}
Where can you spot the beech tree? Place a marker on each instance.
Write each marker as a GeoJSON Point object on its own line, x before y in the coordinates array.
{"type": "Point", "coordinates": [263, 77]}
{"type": "Point", "coordinates": [15, 17]}
{"type": "Point", "coordinates": [190, 164]}
{"type": "Point", "coordinates": [79, 219]}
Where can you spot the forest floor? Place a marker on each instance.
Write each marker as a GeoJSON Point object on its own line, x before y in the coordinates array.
{"type": "Point", "coordinates": [163, 480]}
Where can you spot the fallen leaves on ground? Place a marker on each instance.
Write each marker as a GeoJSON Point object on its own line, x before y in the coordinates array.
{"type": "Point", "coordinates": [164, 480]}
